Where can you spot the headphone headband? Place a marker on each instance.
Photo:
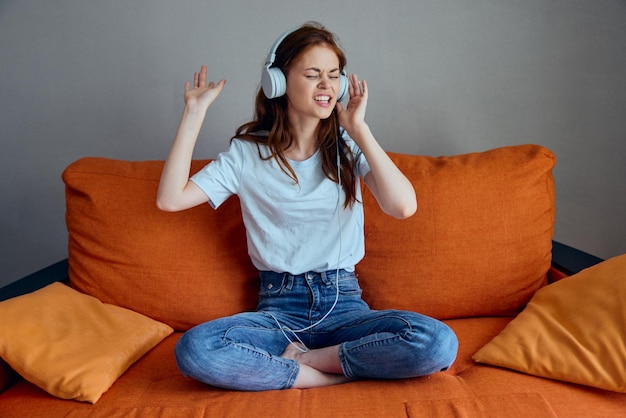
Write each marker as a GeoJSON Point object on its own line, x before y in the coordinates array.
{"type": "Point", "coordinates": [272, 54]}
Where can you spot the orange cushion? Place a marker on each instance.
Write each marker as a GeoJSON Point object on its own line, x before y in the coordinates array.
{"type": "Point", "coordinates": [179, 268]}
{"type": "Point", "coordinates": [573, 330]}
{"type": "Point", "coordinates": [70, 344]}
{"type": "Point", "coordinates": [480, 243]}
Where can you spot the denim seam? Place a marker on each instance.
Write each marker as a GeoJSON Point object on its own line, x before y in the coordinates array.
{"type": "Point", "coordinates": [345, 367]}
{"type": "Point", "coordinates": [347, 371]}
{"type": "Point", "coordinates": [408, 324]}
{"type": "Point", "coordinates": [292, 365]}
{"type": "Point", "coordinates": [375, 343]}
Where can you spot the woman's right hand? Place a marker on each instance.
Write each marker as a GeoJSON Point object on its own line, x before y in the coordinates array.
{"type": "Point", "coordinates": [201, 95]}
{"type": "Point", "coordinates": [176, 192]}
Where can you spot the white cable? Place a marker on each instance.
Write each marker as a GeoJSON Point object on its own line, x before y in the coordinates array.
{"type": "Point", "coordinates": [295, 331]}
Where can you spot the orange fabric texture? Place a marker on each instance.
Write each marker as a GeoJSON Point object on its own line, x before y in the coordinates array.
{"type": "Point", "coordinates": [155, 386]}
{"type": "Point", "coordinates": [179, 268]}
{"type": "Point", "coordinates": [554, 275]}
{"type": "Point", "coordinates": [495, 406]}
{"type": "Point", "coordinates": [70, 344]}
{"type": "Point", "coordinates": [573, 330]}
{"type": "Point", "coordinates": [480, 243]}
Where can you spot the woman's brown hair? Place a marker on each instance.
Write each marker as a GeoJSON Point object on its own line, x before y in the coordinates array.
{"type": "Point", "coordinates": [271, 115]}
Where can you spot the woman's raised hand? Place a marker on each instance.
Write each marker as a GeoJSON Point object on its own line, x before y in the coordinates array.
{"type": "Point", "coordinates": [201, 94]}
{"type": "Point", "coordinates": [353, 116]}
{"type": "Point", "coordinates": [176, 192]}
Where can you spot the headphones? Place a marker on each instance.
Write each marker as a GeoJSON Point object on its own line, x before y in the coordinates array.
{"type": "Point", "coordinates": [274, 82]}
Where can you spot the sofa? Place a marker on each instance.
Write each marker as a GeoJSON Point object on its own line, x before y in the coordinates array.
{"type": "Point", "coordinates": [540, 324]}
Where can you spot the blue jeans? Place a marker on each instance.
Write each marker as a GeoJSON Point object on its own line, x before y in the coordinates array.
{"type": "Point", "coordinates": [243, 351]}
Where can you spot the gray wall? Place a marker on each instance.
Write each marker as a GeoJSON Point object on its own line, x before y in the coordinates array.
{"type": "Point", "coordinates": [105, 78]}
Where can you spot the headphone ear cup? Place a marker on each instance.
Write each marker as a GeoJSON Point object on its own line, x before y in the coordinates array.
{"type": "Point", "coordinates": [273, 82]}
{"type": "Point", "coordinates": [343, 86]}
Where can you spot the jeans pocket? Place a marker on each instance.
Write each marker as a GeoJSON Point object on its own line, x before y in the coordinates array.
{"type": "Point", "coordinates": [271, 284]}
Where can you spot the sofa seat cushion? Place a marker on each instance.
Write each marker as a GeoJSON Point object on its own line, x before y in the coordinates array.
{"type": "Point", "coordinates": [508, 405]}
{"type": "Point", "coordinates": [154, 385]}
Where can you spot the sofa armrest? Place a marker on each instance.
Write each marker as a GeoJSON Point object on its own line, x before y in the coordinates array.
{"type": "Point", "coordinates": [57, 272]}
{"type": "Point", "coordinates": [570, 260]}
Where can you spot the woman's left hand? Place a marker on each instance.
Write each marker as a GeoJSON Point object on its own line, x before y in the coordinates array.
{"type": "Point", "coordinates": [353, 116]}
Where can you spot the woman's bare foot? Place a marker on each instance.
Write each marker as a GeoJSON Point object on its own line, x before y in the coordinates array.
{"type": "Point", "coordinates": [320, 367]}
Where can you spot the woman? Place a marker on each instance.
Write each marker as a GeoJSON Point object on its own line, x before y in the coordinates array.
{"type": "Point", "coordinates": [296, 169]}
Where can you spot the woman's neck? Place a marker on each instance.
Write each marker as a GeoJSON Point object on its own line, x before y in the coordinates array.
{"type": "Point", "coordinates": [301, 150]}
{"type": "Point", "coordinates": [305, 141]}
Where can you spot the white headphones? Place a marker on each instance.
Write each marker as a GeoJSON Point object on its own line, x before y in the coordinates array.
{"type": "Point", "coordinates": [274, 82]}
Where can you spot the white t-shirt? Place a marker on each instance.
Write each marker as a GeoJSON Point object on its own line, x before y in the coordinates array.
{"type": "Point", "coordinates": [290, 227]}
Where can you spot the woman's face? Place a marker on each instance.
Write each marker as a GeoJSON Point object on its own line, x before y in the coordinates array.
{"type": "Point", "coordinates": [313, 84]}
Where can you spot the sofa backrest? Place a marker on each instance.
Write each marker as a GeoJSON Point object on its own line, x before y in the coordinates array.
{"type": "Point", "coordinates": [479, 245]}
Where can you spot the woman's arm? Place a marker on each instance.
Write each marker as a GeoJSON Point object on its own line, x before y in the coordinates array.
{"type": "Point", "coordinates": [392, 190]}
{"type": "Point", "coordinates": [176, 192]}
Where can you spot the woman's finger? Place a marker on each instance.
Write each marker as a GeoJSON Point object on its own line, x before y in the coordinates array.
{"type": "Point", "coordinates": [203, 71]}
{"type": "Point", "coordinates": [358, 91]}
{"type": "Point", "coordinates": [196, 80]}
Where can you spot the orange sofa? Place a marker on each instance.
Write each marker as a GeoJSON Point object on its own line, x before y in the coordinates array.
{"type": "Point", "coordinates": [478, 255]}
